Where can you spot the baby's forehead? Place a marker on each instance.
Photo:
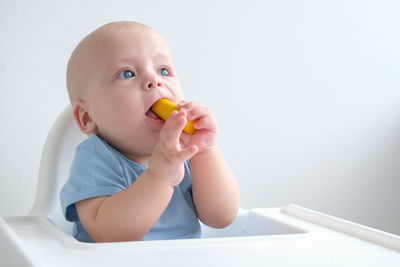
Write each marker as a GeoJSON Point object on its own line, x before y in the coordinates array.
{"type": "Point", "coordinates": [96, 48]}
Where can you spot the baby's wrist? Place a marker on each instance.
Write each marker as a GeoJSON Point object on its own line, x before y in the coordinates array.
{"type": "Point", "coordinates": [205, 152]}
{"type": "Point", "coordinates": [154, 177]}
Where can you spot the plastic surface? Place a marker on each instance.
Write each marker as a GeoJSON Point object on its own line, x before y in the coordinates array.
{"type": "Point", "coordinates": [288, 236]}
{"type": "Point", "coordinates": [57, 156]}
{"type": "Point", "coordinates": [165, 107]}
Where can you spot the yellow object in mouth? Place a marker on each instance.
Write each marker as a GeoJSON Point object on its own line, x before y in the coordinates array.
{"type": "Point", "coordinates": [165, 107]}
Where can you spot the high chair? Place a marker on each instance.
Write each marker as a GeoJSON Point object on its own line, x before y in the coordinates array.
{"type": "Point", "coordinates": [283, 236]}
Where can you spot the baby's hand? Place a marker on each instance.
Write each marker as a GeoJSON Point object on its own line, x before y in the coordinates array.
{"type": "Point", "coordinates": [205, 124]}
{"type": "Point", "coordinates": [169, 155]}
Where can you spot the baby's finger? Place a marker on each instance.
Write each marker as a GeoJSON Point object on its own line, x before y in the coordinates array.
{"type": "Point", "coordinates": [206, 123]}
{"type": "Point", "coordinates": [187, 153]}
{"type": "Point", "coordinates": [182, 103]}
{"type": "Point", "coordinates": [185, 139]}
{"type": "Point", "coordinates": [195, 110]}
{"type": "Point", "coordinates": [173, 127]}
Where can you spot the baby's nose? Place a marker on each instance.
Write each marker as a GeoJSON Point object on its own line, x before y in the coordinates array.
{"type": "Point", "coordinates": [151, 81]}
{"type": "Point", "coordinates": [151, 85]}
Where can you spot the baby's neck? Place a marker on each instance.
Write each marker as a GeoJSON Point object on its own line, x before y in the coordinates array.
{"type": "Point", "coordinates": [141, 160]}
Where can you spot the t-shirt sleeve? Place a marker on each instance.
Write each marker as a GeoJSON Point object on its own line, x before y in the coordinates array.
{"type": "Point", "coordinates": [95, 172]}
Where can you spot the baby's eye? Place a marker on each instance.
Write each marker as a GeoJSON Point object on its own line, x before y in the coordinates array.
{"type": "Point", "coordinates": [126, 74]}
{"type": "Point", "coordinates": [164, 72]}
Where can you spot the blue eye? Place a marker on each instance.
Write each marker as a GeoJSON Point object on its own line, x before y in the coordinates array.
{"type": "Point", "coordinates": [164, 72]}
{"type": "Point", "coordinates": [126, 74]}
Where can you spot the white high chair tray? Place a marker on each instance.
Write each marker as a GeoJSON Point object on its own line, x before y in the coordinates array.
{"type": "Point", "coordinates": [288, 236]}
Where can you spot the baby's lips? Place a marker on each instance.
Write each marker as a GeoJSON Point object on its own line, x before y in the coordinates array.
{"type": "Point", "coordinates": [150, 113]}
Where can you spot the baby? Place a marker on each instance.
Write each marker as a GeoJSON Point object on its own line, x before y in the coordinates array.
{"type": "Point", "coordinates": [138, 177]}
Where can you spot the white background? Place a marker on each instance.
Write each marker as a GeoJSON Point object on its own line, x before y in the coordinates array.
{"type": "Point", "coordinates": [306, 93]}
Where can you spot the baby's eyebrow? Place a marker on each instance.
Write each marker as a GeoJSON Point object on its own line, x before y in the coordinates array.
{"type": "Point", "coordinates": [130, 61]}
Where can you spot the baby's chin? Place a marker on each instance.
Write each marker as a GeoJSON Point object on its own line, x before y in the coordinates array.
{"type": "Point", "coordinates": [136, 150]}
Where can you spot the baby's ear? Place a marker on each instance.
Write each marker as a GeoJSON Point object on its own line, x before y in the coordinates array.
{"type": "Point", "coordinates": [83, 119]}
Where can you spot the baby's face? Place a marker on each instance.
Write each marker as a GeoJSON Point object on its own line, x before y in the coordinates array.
{"type": "Point", "coordinates": [131, 69]}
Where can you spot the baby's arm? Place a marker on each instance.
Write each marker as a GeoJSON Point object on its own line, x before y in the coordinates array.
{"type": "Point", "coordinates": [129, 214]}
{"type": "Point", "coordinates": [215, 190]}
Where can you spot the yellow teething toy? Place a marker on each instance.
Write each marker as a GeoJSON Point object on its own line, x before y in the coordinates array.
{"type": "Point", "coordinates": [165, 107]}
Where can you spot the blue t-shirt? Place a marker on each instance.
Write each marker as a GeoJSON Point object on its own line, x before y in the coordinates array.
{"type": "Point", "coordinates": [99, 169]}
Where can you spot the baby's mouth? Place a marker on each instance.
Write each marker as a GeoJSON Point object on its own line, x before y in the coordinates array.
{"type": "Point", "coordinates": [150, 113]}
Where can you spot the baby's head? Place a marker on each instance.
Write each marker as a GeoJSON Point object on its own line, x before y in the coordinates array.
{"type": "Point", "coordinates": [114, 76]}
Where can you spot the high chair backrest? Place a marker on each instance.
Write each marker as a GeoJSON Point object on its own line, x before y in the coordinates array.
{"type": "Point", "coordinates": [57, 156]}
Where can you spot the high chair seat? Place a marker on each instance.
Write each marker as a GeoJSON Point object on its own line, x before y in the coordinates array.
{"type": "Point", "coordinates": [57, 156]}
{"type": "Point", "coordinates": [283, 236]}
